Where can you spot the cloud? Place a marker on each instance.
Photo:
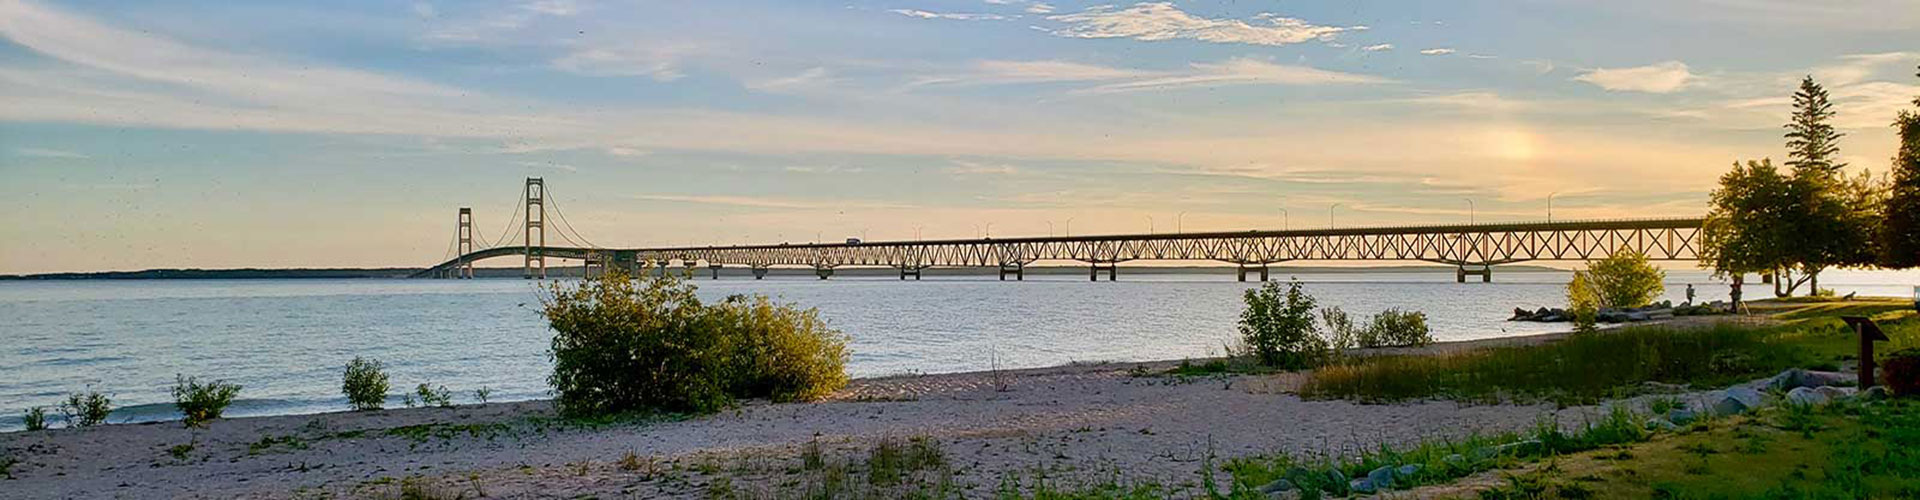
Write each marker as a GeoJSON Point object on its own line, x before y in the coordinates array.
{"type": "Point", "coordinates": [963, 167]}
{"type": "Point", "coordinates": [547, 164]}
{"type": "Point", "coordinates": [810, 77]}
{"type": "Point", "coordinates": [1436, 52]}
{"type": "Point", "coordinates": [552, 7]}
{"type": "Point", "coordinates": [1163, 21]}
{"type": "Point", "coordinates": [1378, 48]}
{"type": "Point", "coordinates": [1856, 68]}
{"type": "Point", "coordinates": [999, 72]}
{"type": "Point", "coordinates": [492, 26]}
{"type": "Point", "coordinates": [661, 63]}
{"type": "Point", "coordinates": [1040, 8]}
{"type": "Point", "coordinates": [49, 153]}
{"type": "Point", "coordinates": [766, 202]}
{"type": "Point", "coordinates": [625, 151]}
{"type": "Point", "coordinates": [1241, 71]}
{"type": "Point", "coordinates": [952, 16]}
{"type": "Point", "coordinates": [1658, 78]}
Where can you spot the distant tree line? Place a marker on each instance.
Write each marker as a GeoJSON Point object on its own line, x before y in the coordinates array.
{"type": "Point", "coordinates": [1794, 224]}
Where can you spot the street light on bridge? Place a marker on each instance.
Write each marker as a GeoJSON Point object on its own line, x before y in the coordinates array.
{"type": "Point", "coordinates": [1469, 210]}
{"type": "Point", "coordinates": [1330, 214]}
{"type": "Point", "coordinates": [1179, 222]}
{"type": "Point", "coordinates": [1149, 224]}
{"type": "Point", "coordinates": [1550, 206]}
{"type": "Point", "coordinates": [1069, 227]}
{"type": "Point", "coordinates": [1283, 219]}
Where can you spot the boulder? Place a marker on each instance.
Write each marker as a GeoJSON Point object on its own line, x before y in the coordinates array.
{"type": "Point", "coordinates": [1681, 416]}
{"type": "Point", "coordinates": [1875, 393]}
{"type": "Point", "coordinates": [1801, 396]}
{"type": "Point", "coordinates": [1406, 472]}
{"type": "Point", "coordinates": [1278, 485]}
{"type": "Point", "coordinates": [1639, 316]}
{"type": "Point", "coordinates": [1794, 378]}
{"type": "Point", "coordinates": [1520, 315]}
{"type": "Point", "coordinates": [1737, 400]}
{"type": "Point", "coordinates": [1381, 477]}
{"type": "Point", "coordinates": [1836, 393]}
{"type": "Point", "coordinates": [1661, 424]}
{"type": "Point", "coordinates": [1456, 461]}
{"type": "Point", "coordinates": [1362, 486]}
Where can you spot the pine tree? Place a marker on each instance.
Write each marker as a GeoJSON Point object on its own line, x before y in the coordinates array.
{"type": "Point", "coordinates": [1812, 143]}
{"type": "Point", "coordinates": [1900, 230]}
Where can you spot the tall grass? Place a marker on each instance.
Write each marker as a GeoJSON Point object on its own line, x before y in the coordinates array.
{"type": "Point", "coordinates": [1581, 369]}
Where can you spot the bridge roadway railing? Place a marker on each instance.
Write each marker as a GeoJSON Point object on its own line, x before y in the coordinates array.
{"type": "Point", "coordinates": [1462, 245]}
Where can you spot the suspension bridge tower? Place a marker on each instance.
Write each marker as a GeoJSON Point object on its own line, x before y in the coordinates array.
{"type": "Point", "coordinates": [536, 244]}
{"type": "Point", "coordinates": [465, 270]}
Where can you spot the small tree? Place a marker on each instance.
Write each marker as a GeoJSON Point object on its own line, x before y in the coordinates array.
{"type": "Point", "coordinates": [621, 345]}
{"type": "Point", "coordinates": [365, 384]}
{"type": "Point", "coordinates": [86, 409]}
{"type": "Point", "coordinates": [35, 418]}
{"type": "Point", "coordinates": [1583, 303]}
{"type": "Point", "coordinates": [199, 403]}
{"type": "Point", "coordinates": [1278, 328]}
{"type": "Point", "coordinates": [1625, 279]}
{"type": "Point", "coordinates": [1394, 327]}
{"type": "Point", "coordinates": [1341, 333]}
{"type": "Point", "coordinates": [784, 353]}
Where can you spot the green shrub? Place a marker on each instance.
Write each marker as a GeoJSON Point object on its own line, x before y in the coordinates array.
{"type": "Point", "coordinates": [365, 384]}
{"type": "Point", "coordinates": [198, 402]}
{"type": "Point", "coordinates": [623, 345]}
{"type": "Point", "coordinates": [1394, 327]}
{"type": "Point", "coordinates": [781, 352]}
{"type": "Point", "coordinates": [432, 396]}
{"type": "Point", "coordinates": [86, 409]}
{"type": "Point", "coordinates": [1626, 279]}
{"type": "Point", "coordinates": [35, 418]}
{"type": "Point", "coordinates": [1583, 303]}
{"type": "Point", "coordinates": [1341, 334]}
{"type": "Point", "coordinates": [482, 394]}
{"type": "Point", "coordinates": [1278, 328]}
{"type": "Point", "coordinates": [1901, 371]}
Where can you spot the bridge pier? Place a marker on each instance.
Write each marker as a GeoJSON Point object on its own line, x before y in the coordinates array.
{"type": "Point", "coordinates": [716, 270]}
{"type": "Point", "coordinates": [823, 272]}
{"type": "Point", "coordinates": [759, 272]}
{"type": "Point", "coordinates": [1112, 268]}
{"type": "Point", "coordinates": [909, 270]}
{"type": "Point", "coordinates": [1246, 269]}
{"type": "Point", "coordinates": [1018, 270]}
{"type": "Point", "coordinates": [1485, 272]}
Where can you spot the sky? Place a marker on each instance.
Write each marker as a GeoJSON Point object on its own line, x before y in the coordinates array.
{"type": "Point", "coordinates": [346, 133]}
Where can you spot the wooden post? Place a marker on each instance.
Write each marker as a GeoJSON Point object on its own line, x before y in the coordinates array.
{"type": "Point", "coordinates": [1868, 332]}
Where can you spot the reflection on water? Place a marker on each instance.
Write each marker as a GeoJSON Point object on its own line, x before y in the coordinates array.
{"type": "Point", "coordinates": [286, 340]}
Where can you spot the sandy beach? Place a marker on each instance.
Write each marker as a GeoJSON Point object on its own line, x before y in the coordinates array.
{"type": "Point", "coordinates": [1075, 421]}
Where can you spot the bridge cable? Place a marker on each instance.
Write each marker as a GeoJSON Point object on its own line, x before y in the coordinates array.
{"type": "Point", "coordinates": [516, 216]}
{"type": "Point", "coordinates": [569, 225]}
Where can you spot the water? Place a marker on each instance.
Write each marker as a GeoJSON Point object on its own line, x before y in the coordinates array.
{"type": "Point", "coordinates": [286, 340]}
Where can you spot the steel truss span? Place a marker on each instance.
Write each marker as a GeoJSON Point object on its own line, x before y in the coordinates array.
{"type": "Point", "coordinates": [1479, 246]}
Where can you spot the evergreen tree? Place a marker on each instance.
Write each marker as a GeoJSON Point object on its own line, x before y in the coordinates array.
{"type": "Point", "coordinates": [1900, 229]}
{"type": "Point", "coordinates": [1812, 143]}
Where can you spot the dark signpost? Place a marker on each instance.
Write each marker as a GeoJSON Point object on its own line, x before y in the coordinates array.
{"type": "Point", "coordinates": [1868, 332]}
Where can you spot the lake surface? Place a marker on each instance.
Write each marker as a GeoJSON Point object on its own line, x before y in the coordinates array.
{"type": "Point", "coordinates": [286, 340]}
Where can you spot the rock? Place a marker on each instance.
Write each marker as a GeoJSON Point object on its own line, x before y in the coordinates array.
{"type": "Point", "coordinates": [1737, 400]}
{"type": "Point", "coordinates": [1362, 486]}
{"type": "Point", "coordinates": [1520, 315]}
{"type": "Point", "coordinates": [1875, 393]}
{"type": "Point", "coordinates": [1638, 316]}
{"type": "Point", "coordinates": [1661, 424]}
{"type": "Point", "coordinates": [1794, 378]}
{"type": "Point", "coordinates": [1660, 314]}
{"type": "Point", "coordinates": [1381, 477]}
{"type": "Point", "coordinates": [1407, 471]}
{"type": "Point", "coordinates": [1681, 416]}
{"type": "Point", "coordinates": [1802, 396]}
{"type": "Point", "coordinates": [1836, 393]}
{"type": "Point", "coordinates": [1456, 461]}
{"type": "Point", "coordinates": [1278, 485]}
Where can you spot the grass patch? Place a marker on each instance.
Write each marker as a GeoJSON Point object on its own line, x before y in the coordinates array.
{"type": "Point", "coordinates": [1586, 368]}
{"type": "Point", "coordinates": [1851, 451]}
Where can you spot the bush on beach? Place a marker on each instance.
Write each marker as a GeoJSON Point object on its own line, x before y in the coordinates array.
{"type": "Point", "coordinates": [623, 345]}
{"type": "Point", "coordinates": [199, 403]}
{"type": "Point", "coordinates": [35, 418]}
{"type": "Point", "coordinates": [365, 384]}
{"type": "Point", "coordinates": [86, 409]}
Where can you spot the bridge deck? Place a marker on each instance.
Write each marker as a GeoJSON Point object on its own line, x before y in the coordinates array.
{"type": "Point", "coordinates": [1476, 245]}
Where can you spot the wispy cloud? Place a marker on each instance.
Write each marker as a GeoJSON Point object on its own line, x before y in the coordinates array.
{"type": "Point", "coordinates": [964, 167]}
{"type": "Point", "coordinates": [550, 165]}
{"type": "Point", "coordinates": [1241, 71]}
{"type": "Point", "coordinates": [660, 63]}
{"type": "Point", "coordinates": [948, 15]}
{"type": "Point", "coordinates": [1659, 78]}
{"type": "Point", "coordinates": [49, 153]}
{"type": "Point", "coordinates": [810, 77]}
{"type": "Point", "coordinates": [1436, 52]}
{"type": "Point", "coordinates": [1378, 48]}
{"type": "Point", "coordinates": [767, 201]}
{"type": "Point", "coordinates": [1164, 21]}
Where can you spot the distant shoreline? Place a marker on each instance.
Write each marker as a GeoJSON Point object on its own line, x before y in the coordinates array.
{"type": "Point", "coordinates": [732, 271]}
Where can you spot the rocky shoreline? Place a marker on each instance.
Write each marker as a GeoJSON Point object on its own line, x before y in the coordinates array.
{"type": "Point", "coordinates": [1663, 310]}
